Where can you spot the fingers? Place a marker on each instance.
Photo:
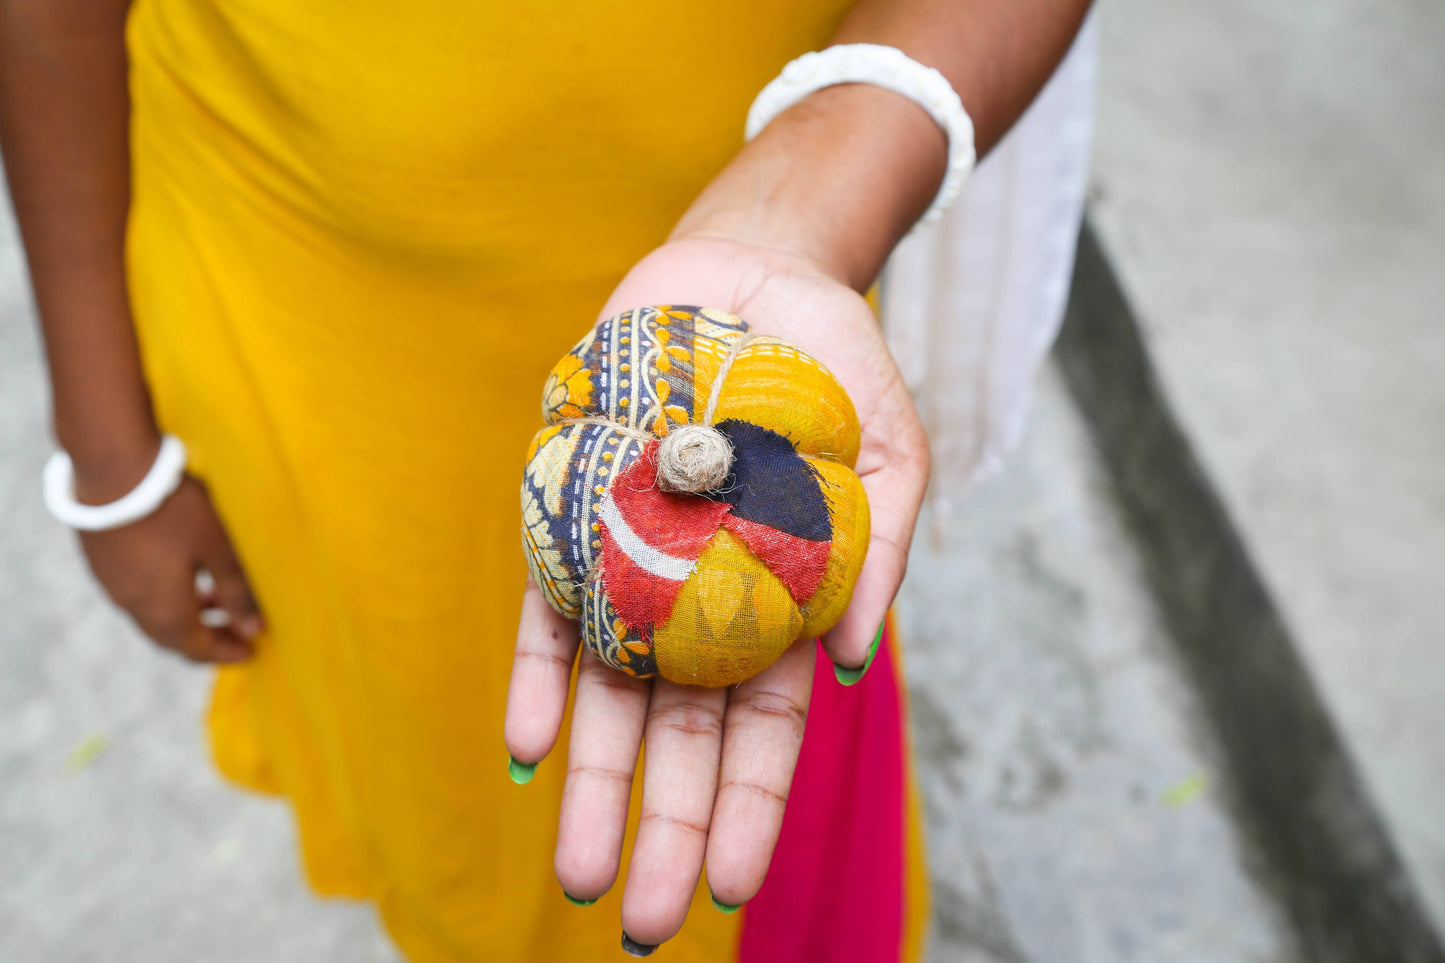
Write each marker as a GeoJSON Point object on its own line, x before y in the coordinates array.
{"type": "Point", "coordinates": [225, 586]}
{"type": "Point", "coordinates": [174, 619]}
{"type": "Point", "coordinates": [203, 643]}
{"type": "Point", "coordinates": [679, 783]}
{"type": "Point", "coordinates": [227, 617]}
{"type": "Point", "coordinates": [541, 675]}
{"type": "Point", "coordinates": [762, 734]}
{"type": "Point", "coordinates": [607, 721]}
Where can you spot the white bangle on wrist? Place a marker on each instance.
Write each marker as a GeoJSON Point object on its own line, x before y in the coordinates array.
{"type": "Point", "coordinates": [160, 482]}
{"type": "Point", "coordinates": [888, 67]}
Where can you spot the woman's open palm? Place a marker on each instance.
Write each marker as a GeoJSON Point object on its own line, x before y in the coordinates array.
{"type": "Point", "coordinates": [719, 761]}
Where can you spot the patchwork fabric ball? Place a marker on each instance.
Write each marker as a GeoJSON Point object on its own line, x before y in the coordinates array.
{"type": "Point", "coordinates": [692, 500]}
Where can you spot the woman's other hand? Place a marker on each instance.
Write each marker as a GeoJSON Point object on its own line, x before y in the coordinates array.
{"type": "Point", "coordinates": [174, 571]}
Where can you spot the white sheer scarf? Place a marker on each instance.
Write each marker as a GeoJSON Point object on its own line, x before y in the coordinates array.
{"type": "Point", "coordinates": [971, 304]}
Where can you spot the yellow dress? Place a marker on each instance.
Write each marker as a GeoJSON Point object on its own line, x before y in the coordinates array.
{"type": "Point", "coordinates": [361, 233]}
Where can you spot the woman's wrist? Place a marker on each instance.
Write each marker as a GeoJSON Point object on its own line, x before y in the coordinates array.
{"type": "Point", "coordinates": [836, 179]}
{"type": "Point", "coordinates": [110, 435]}
{"type": "Point", "coordinates": [104, 474]}
{"type": "Point", "coordinates": [100, 403]}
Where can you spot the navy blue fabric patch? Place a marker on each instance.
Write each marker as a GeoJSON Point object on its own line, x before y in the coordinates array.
{"type": "Point", "coordinates": [771, 484]}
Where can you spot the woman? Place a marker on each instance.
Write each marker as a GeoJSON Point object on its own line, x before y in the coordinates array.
{"type": "Point", "coordinates": [335, 248]}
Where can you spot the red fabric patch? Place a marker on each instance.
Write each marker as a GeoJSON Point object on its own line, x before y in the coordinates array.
{"type": "Point", "coordinates": [675, 524]}
{"type": "Point", "coordinates": [679, 526]}
{"type": "Point", "coordinates": [639, 597]}
{"type": "Point", "coordinates": [799, 563]}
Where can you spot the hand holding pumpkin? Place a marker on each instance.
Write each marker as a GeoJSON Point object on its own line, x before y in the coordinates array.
{"type": "Point", "coordinates": [692, 501]}
{"type": "Point", "coordinates": [719, 761]}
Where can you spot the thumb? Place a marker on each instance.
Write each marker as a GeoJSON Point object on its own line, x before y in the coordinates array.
{"type": "Point", "coordinates": [895, 494]}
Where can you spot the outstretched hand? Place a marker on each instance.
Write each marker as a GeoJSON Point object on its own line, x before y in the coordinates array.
{"type": "Point", "coordinates": [719, 761]}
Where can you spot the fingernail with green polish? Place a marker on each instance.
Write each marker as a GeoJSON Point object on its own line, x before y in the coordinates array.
{"type": "Point", "coordinates": [578, 902]}
{"type": "Point", "coordinates": [722, 907]}
{"type": "Point", "coordinates": [520, 772]}
{"type": "Point", "coordinates": [851, 676]}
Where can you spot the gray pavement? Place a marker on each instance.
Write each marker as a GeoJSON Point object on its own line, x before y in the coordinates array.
{"type": "Point", "coordinates": [1074, 793]}
{"type": "Point", "coordinates": [1267, 180]}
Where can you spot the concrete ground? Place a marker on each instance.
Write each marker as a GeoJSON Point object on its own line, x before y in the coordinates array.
{"type": "Point", "coordinates": [1074, 806]}
{"type": "Point", "coordinates": [1267, 180]}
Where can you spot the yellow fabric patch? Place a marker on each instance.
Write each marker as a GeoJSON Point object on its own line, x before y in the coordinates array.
{"type": "Point", "coordinates": [731, 619]}
{"type": "Point", "coordinates": [763, 386]}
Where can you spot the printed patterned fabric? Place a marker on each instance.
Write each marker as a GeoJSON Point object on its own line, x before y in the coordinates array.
{"type": "Point", "coordinates": [707, 588]}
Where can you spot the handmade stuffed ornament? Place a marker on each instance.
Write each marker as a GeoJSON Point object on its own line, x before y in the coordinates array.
{"type": "Point", "coordinates": [692, 501]}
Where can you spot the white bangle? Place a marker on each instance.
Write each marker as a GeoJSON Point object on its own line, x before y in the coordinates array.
{"type": "Point", "coordinates": [159, 483]}
{"type": "Point", "coordinates": [888, 67]}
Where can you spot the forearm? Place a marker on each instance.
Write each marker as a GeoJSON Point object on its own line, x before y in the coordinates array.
{"type": "Point", "coordinates": [64, 113]}
{"type": "Point", "coordinates": [841, 177]}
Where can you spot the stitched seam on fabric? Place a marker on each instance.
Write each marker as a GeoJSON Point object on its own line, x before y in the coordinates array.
{"type": "Point", "coordinates": [722, 372]}
{"type": "Point", "coordinates": [622, 427]}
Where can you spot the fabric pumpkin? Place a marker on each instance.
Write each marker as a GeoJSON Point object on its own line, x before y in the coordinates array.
{"type": "Point", "coordinates": [701, 587]}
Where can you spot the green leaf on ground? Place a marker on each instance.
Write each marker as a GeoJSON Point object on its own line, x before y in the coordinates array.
{"type": "Point", "coordinates": [89, 750]}
{"type": "Point", "coordinates": [1186, 790]}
